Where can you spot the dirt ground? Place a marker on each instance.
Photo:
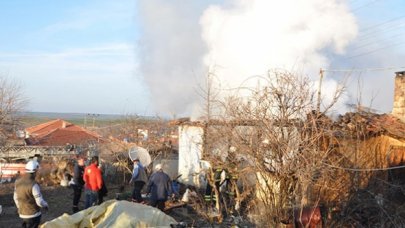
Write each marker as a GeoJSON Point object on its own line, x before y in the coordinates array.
{"type": "Point", "coordinates": [60, 201]}
{"type": "Point", "coordinates": [58, 198]}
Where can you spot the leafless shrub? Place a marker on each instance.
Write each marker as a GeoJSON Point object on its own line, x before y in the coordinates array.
{"type": "Point", "coordinates": [150, 133]}
{"type": "Point", "coordinates": [12, 101]}
{"type": "Point", "coordinates": [275, 143]}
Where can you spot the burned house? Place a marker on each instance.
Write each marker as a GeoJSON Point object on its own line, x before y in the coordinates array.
{"type": "Point", "coordinates": [375, 141]}
{"type": "Point", "coordinates": [372, 146]}
{"type": "Point", "coordinates": [356, 149]}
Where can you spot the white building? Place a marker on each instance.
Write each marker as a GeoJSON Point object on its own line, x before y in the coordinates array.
{"type": "Point", "coordinates": [191, 166]}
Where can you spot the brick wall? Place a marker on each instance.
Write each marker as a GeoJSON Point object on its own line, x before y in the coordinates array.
{"type": "Point", "coordinates": [399, 96]}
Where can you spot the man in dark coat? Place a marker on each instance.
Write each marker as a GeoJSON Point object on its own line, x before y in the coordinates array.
{"type": "Point", "coordinates": [159, 187]}
{"type": "Point", "coordinates": [77, 183]}
{"type": "Point", "coordinates": [103, 191]}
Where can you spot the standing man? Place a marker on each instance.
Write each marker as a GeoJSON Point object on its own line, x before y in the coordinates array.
{"type": "Point", "coordinates": [139, 178]}
{"type": "Point", "coordinates": [93, 182]}
{"type": "Point", "coordinates": [160, 188]}
{"type": "Point", "coordinates": [103, 191]}
{"type": "Point", "coordinates": [78, 182]}
{"type": "Point", "coordinates": [28, 197]}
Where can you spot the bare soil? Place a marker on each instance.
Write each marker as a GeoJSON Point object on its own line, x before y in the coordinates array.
{"type": "Point", "coordinates": [60, 201]}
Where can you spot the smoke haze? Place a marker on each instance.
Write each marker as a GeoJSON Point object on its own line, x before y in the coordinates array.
{"type": "Point", "coordinates": [171, 53]}
{"type": "Point", "coordinates": [183, 40]}
{"type": "Point", "coordinates": [250, 37]}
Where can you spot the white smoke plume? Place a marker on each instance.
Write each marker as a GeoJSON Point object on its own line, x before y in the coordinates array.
{"type": "Point", "coordinates": [250, 37]}
{"type": "Point", "coordinates": [238, 39]}
{"type": "Point", "coordinates": [171, 53]}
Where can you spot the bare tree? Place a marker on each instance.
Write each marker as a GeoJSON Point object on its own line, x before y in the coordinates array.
{"type": "Point", "coordinates": [273, 144]}
{"type": "Point", "coordinates": [150, 133]}
{"type": "Point", "coordinates": [12, 101]}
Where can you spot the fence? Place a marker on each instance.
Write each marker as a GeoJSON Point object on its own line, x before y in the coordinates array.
{"type": "Point", "coordinates": [8, 171]}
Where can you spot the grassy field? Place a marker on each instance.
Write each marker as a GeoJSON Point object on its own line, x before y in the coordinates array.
{"type": "Point", "coordinates": [84, 120]}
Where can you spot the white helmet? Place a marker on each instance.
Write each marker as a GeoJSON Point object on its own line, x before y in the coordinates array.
{"type": "Point", "coordinates": [31, 166]}
{"type": "Point", "coordinates": [158, 167]}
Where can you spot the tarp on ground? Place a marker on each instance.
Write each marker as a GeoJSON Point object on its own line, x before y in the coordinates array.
{"type": "Point", "coordinates": [114, 213]}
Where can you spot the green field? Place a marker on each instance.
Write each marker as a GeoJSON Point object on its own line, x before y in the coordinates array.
{"type": "Point", "coordinates": [29, 119]}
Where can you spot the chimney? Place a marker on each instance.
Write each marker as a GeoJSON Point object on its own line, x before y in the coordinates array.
{"type": "Point", "coordinates": [63, 124]}
{"type": "Point", "coordinates": [399, 96]}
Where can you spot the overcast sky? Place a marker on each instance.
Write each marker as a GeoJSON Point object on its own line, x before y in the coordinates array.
{"type": "Point", "coordinates": [149, 56]}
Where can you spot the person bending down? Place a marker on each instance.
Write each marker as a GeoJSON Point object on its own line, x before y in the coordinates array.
{"type": "Point", "coordinates": [160, 187]}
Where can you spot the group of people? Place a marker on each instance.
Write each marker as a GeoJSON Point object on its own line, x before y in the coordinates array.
{"type": "Point", "coordinates": [91, 179]}
{"type": "Point", "coordinates": [29, 200]}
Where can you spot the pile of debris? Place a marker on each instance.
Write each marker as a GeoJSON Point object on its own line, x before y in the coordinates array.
{"type": "Point", "coordinates": [369, 124]}
{"type": "Point", "coordinates": [368, 208]}
{"type": "Point", "coordinates": [59, 174]}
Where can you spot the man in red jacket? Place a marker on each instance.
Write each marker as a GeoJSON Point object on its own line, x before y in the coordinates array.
{"type": "Point", "coordinates": [93, 182]}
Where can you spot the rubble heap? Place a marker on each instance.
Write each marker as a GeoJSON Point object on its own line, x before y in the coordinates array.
{"type": "Point", "coordinates": [369, 124]}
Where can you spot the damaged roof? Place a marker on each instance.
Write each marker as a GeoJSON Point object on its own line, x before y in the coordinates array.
{"type": "Point", "coordinates": [370, 124]}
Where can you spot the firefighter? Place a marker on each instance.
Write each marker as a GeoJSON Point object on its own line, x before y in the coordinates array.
{"type": "Point", "coordinates": [28, 197]}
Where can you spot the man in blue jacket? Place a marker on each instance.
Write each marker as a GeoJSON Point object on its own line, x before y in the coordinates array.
{"type": "Point", "coordinates": [139, 179]}
{"type": "Point", "coordinates": [159, 187]}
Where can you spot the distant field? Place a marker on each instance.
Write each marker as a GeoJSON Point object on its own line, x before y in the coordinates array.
{"type": "Point", "coordinates": [34, 118]}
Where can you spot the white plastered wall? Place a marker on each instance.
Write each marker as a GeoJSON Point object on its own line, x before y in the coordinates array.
{"type": "Point", "coordinates": [190, 153]}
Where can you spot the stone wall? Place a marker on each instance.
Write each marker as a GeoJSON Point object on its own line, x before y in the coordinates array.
{"type": "Point", "coordinates": [399, 96]}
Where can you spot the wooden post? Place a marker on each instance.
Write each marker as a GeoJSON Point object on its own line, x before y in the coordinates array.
{"type": "Point", "coordinates": [318, 105]}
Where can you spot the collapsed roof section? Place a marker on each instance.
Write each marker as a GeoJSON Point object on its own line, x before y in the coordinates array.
{"type": "Point", "coordinates": [369, 125]}
{"type": "Point", "coordinates": [347, 125]}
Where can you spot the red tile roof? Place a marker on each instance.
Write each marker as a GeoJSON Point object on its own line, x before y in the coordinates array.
{"type": "Point", "coordinates": [46, 128]}
{"type": "Point", "coordinates": [59, 133]}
